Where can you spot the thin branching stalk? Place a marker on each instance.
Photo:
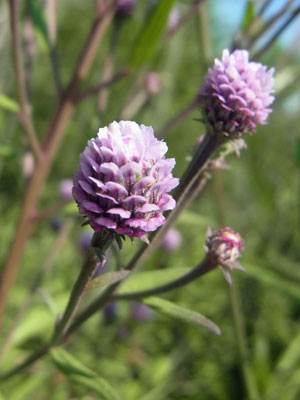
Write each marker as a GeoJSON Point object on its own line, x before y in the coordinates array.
{"type": "Point", "coordinates": [51, 142]}
{"type": "Point", "coordinates": [269, 24]}
{"type": "Point", "coordinates": [280, 30]}
{"type": "Point", "coordinates": [201, 269]}
{"type": "Point", "coordinates": [182, 114]}
{"type": "Point", "coordinates": [50, 260]}
{"type": "Point", "coordinates": [102, 86]}
{"type": "Point", "coordinates": [25, 108]}
{"type": "Point", "coordinates": [194, 8]}
{"type": "Point", "coordinates": [238, 322]}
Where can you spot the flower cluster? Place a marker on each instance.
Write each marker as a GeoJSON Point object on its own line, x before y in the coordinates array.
{"type": "Point", "coordinates": [224, 248]}
{"type": "Point", "coordinates": [236, 95]}
{"type": "Point", "coordinates": [123, 180]}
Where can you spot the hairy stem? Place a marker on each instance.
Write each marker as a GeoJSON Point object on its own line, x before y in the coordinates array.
{"type": "Point", "coordinates": [101, 241]}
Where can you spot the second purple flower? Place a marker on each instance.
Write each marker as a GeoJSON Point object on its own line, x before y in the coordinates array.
{"type": "Point", "coordinates": [123, 180]}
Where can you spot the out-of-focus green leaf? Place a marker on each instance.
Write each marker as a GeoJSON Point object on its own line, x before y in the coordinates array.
{"type": "Point", "coordinates": [147, 40]}
{"type": "Point", "coordinates": [38, 19]}
{"type": "Point", "coordinates": [70, 208]}
{"type": "Point", "coordinates": [173, 310]}
{"type": "Point", "coordinates": [79, 373]}
{"type": "Point", "coordinates": [7, 151]}
{"type": "Point", "coordinates": [107, 279]}
{"type": "Point", "coordinates": [38, 323]}
{"type": "Point", "coordinates": [286, 77]}
{"type": "Point", "coordinates": [286, 373]}
{"type": "Point", "coordinates": [297, 151]}
{"type": "Point", "coordinates": [150, 279]}
{"type": "Point", "coordinates": [8, 104]}
{"type": "Point", "coordinates": [249, 15]}
{"type": "Point", "coordinates": [271, 278]}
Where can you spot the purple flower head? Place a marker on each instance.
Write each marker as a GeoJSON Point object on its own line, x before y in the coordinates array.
{"type": "Point", "coordinates": [236, 94]}
{"type": "Point", "coordinates": [171, 241]}
{"type": "Point", "coordinates": [153, 83]}
{"type": "Point", "coordinates": [125, 8]}
{"type": "Point", "coordinates": [224, 248]}
{"type": "Point", "coordinates": [140, 312]}
{"type": "Point", "coordinates": [123, 180]}
{"type": "Point", "coordinates": [65, 190]}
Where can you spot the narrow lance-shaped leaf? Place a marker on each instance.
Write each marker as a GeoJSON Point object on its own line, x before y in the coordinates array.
{"type": "Point", "coordinates": [8, 104]}
{"type": "Point", "coordinates": [107, 279]}
{"type": "Point", "coordinates": [79, 373]}
{"type": "Point", "coordinates": [173, 310]}
{"type": "Point", "coordinates": [147, 40]}
{"type": "Point", "coordinates": [249, 15]}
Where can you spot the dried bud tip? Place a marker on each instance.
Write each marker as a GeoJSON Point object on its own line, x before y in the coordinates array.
{"type": "Point", "coordinates": [224, 247]}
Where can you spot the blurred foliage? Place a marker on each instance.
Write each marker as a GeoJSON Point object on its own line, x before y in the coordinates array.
{"type": "Point", "coordinates": [159, 358]}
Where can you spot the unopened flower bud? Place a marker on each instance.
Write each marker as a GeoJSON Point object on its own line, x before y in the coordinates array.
{"type": "Point", "coordinates": [172, 240]}
{"type": "Point", "coordinates": [140, 312]}
{"type": "Point", "coordinates": [236, 95]}
{"type": "Point", "coordinates": [28, 164]}
{"type": "Point", "coordinates": [65, 190]}
{"type": "Point", "coordinates": [125, 8]}
{"type": "Point", "coordinates": [224, 247]}
{"type": "Point", "coordinates": [153, 83]}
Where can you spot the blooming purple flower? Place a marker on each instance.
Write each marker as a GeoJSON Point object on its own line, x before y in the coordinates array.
{"type": "Point", "coordinates": [172, 240]}
{"type": "Point", "coordinates": [224, 248]}
{"type": "Point", "coordinates": [123, 180]}
{"type": "Point", "coordinates": [65, 190]}
{"type": "Point", "coordinates": [236, 94]}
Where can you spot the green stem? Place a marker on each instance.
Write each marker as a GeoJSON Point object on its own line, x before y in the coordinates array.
{"type": "Point", "coordinates": [249, 380]}
{"type": "Point", "coordinates": [201, 269]}
{"type": "Point", "coordinates": [102, 241]}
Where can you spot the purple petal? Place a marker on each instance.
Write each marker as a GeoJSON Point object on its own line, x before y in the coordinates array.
{"type": "Point", "coordinates": [106, 222]}
{"type": "Point", "coordinates": [119, 211]}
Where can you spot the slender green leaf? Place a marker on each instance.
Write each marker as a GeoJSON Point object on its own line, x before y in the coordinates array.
{"type": "Point", "coordinates": [297, 151]}
{"type": "Point", "coordinates": [249, 15]}
{"type": "Point", "coordinates": [8, 104]}
{"type": "Point", "coordinates": [150, 279]}
{"type": "Point", "coordinates": [107, 279]}
{"type": "Point", "coordinates": [173, 310]}
{"type": "Point", "coordinates": [148, 39]}
{"type": "Point", "coordinates": [79, 373]}
{"type": "Point", "coordinates": [7, 151]}
{"type": "Point", "coordinates": [39, 22]}
{"type": "Point", "coordinates": [286, 371]}
{"type": "Point", "coordinates": [271, 278]}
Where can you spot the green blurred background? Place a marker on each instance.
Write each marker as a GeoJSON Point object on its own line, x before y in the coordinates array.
{"type": "Point", "coordinates": [161, 358]}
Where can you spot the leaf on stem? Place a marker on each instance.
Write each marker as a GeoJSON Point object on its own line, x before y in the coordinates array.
{"type": "Point", "coordinates": [174, 311]}
{"type": "Point", "coordinates": [79, 373]}
{"type": "Point", "coordinates": [8, 104]}
{"type": "Point", "coordinates": [151, 279]}
{"type": "Point", "coordinates": [147, 40]}
{"type": "Point", "coordinates": [39, 22]}
{"type": "Point", "coordinates": [248, 16]}
{"type": "Point", "coordinates": [107, 279]}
